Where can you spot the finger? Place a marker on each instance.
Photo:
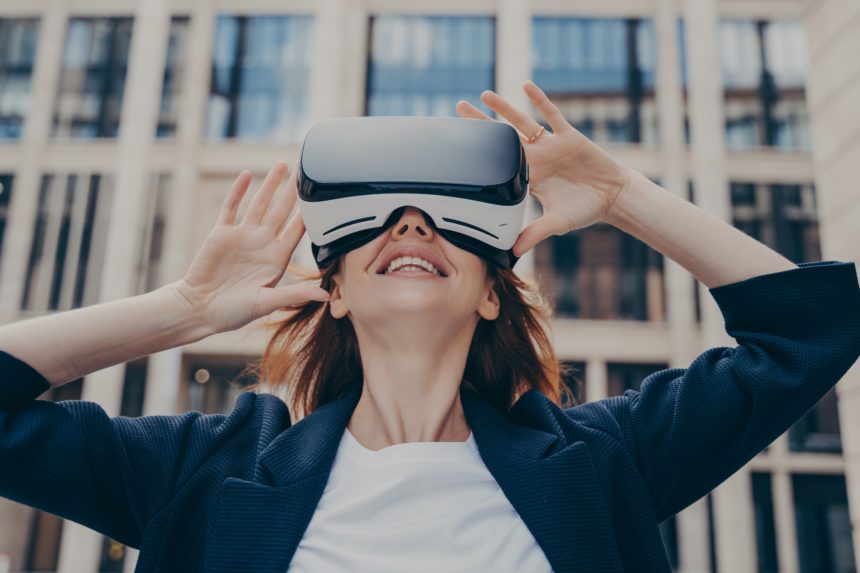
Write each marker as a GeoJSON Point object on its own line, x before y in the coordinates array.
{"type": "Point", "coordinates": [519, 119]}
{"type": "Point", "coordinates": [293, 233]}
{"type": "Point", "coordinates": [468, 110]}
{"type": "Point", "coordinates": [545, 226]}
{"type": "Point", "coordinates": [548, 109]}
{"type": "Point", "coordinates": [271, 299]}
{"type": "Point", "coordinates": [282, 205]}
{"type": "Point", "coordinates": [230, 206]}
{"type": "Point", "coordinates": [263, 196]}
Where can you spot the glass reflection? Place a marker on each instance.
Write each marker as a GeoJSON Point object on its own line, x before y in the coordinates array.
{"type": "Point", "coordinates": [422, 65]}
{"type": "Point", "coordinates": [764, 70]}
{"type": "Point", "coordinates": [92, 81]}
{"type": "Point", "coordinates": [601, 74]}
{"type": "Point", "coordinates": [260, 78]}
{"type": "Point", "coordinates": [17, 53]}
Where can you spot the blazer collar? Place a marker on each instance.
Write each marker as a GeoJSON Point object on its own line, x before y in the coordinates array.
{"type": "Point", "coordinates": [309, 446]}
{"type": "Point", "coordinates": [553, 486]}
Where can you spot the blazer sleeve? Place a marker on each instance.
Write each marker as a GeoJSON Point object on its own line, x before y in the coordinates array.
{"type": "Point", "coordinates": [689, 429]}
{"type": "Point", "coordinates": [71, 459]}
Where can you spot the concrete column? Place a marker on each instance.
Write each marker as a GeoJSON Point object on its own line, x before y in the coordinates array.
{"type": "Point", "coordinates": [692, 522]}
{"type": "Point", "coordinates": [513, 67]}
{"type": "Point", "coordinates": [596, 385]}
{"type": "Point", "coordinates": [25, 195]}
{"type": "Point", "coordinates": [327, 69]}
{"type": "Point", "coordinates": [783, 511]}
{"type": "Point", "coordinates": [733, 514]}
{"type": "Point", "coordinates": [833, 90]}
{"type": "Point", "coordinates": [80, 549]}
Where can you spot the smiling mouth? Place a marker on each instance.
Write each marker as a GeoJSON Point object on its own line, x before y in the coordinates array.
{"type": "Point", "coordinates": [412, 272]}
{"type": "Point", "coordinates": [411, 266]}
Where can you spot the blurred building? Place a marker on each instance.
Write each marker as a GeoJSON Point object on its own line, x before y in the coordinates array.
{"type": "Point", "coordinates": [123, 124]}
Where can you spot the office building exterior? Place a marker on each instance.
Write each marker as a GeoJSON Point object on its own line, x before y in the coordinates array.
{"type": "Point", "coordinates": [124, 122]}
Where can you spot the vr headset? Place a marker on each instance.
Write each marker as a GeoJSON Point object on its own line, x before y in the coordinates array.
{"type": "Point", "coordinates": [357, 175]}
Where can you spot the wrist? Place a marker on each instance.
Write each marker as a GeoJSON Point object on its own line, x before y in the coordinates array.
{"type": "Point", "coordinates": [190, 319]}
{"type": "Point", "coordinates": [619, 212]}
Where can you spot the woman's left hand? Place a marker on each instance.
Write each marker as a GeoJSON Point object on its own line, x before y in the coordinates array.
{"type": "Point", "coordinates": [575, 181]}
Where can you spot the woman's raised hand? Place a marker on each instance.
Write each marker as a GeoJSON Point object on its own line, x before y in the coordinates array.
{"type": "Point", "coordinates": [575, 181]}
{"type": "Point", "coordinates": [232, 280]}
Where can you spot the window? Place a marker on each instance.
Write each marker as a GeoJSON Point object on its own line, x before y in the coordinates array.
{"type": "Point", "coordinates": [260, 79]}
{"type": "Point", "coordinates": [601, 73]}
{"type": "Point", "coordinates": [134, 387]}
{"type": "Point", "coordinates": [764, 523]}
{"type": "Point", "coordinates": [600, 272]}
{"type": "Point", "coordinates": [68, 242]}
{"type": "Point", "coordinates": [18, 40]}
{"type": "Point", "coordinates": [6, 181]}
{"type": "Point", "coordinates": [623, 376]}
{"type": "Point", "coordinates": [152, 245]}
{"type": "Point", "coordinates": [422, 65]}
{"type": "Point", "coordinates": [823, 524]}
{"type": "Point", "coordinates": [782, 217]}
{"type": "Point", "coordinates": [89, 102]}
{"type": "Point", "coordinates": [177, 49]}
{"type": "Point", "coordinates": [818, 429]}
{"type": "Point", "coordinates": [764, 70]}
{"type": "Point", "coordinates": [213, 383]}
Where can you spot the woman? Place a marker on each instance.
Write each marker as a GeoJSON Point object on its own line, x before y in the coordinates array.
{"type": "Point", "coordinates": [514, 481]}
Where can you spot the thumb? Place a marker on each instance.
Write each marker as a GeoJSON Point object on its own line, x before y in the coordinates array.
{"type": "Point", "coordinates": [271, 299]}
{"type": "Point", "coordinates": [534, 233]}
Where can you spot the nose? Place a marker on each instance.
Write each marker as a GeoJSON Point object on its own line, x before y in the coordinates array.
{"type": "Point", "coordinates": [412, 223]}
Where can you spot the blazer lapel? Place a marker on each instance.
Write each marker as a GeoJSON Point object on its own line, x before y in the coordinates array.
{"type": "Point", "coordinates": [260, 523]}
{"type": "Point", "coordinates": [552, 485]}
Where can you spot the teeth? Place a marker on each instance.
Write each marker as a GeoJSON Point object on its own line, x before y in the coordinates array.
{"type": "Point", "coordinates": [413, 264]}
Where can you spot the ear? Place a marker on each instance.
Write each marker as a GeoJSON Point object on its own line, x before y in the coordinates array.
{"type": "Point", "coordinates": [488, 306]}
{"type": "Point", "coordinates": [337, 303]}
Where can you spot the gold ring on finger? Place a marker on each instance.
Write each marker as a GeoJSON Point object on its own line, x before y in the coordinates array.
{"type": "Point", "coordinates": [534, 137]}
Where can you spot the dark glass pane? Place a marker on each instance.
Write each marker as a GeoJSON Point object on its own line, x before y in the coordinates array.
{"type": "Point", "coordinates": [600, 272]}
{"type": "Point", "coordinates": [622, 376]}
{"type": "Point", "coordinates": [134, 387]}
{"type": "Point", "coordinates": [422, 65]}
{"type": "Point", "coordinates": [18, 41]}
{"type": "Point", "coordinates": [781, 216]}
{"type": "Point", "coordinates": [601, 74]}
{"type": "Point", "coordinates": [177, 49]}
{"type": "Point", "coordinates": [823, 525]}
{"type": "Point", "coordinates": [764, 524]}
{"type": "Point", "coordinates": [260, 78]}
{"type": "Point", "coordinates": [764, 76]}
{"type": "Point", "coordinates": [818, 429]}
{"type": "Point", "coordinates": [92, 80]}
{"type": "Point", "coordinates": [6, 181]}
{"type": "Point", "coordinates": [113, 553]}
{"type": "Point", "coordinates": [213, 383]}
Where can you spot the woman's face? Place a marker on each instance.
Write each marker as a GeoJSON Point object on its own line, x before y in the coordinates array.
{"type": "Point", "coordinates": [410, 271]}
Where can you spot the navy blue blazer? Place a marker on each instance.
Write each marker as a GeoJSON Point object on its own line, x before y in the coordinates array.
{"type": "Point", "coordinates": [228, 493]}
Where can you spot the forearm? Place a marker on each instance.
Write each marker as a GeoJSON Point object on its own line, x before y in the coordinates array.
{"type": "Point", "coordinates": [714, 251]}
{"type": "Point", "coordinates": [67, 345]}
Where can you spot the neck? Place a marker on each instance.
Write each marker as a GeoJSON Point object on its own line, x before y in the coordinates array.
{"type": "Point", "coordinates": [411, 388]}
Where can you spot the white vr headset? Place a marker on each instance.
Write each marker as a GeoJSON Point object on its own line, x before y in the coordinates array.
{"type": "Point", "coordinates": [469, 176]}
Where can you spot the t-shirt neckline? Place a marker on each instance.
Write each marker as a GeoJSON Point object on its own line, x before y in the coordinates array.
{"type": "Point", "coordinates": [428, 452]}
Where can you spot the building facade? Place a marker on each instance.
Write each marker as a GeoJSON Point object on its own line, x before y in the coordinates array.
{"type": "Point", "coordinates": [124, 122]}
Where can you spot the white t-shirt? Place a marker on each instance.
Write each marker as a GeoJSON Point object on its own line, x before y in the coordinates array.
{"type": "Point", "coordinates": [416, 506]}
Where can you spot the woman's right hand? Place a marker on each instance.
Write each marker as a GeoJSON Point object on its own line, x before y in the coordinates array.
{"type": "Point", "coordinates": [232, 280]}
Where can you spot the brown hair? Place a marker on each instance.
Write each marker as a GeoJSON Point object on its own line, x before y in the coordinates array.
{"type": "Point", "coordinates": [315, 357]}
